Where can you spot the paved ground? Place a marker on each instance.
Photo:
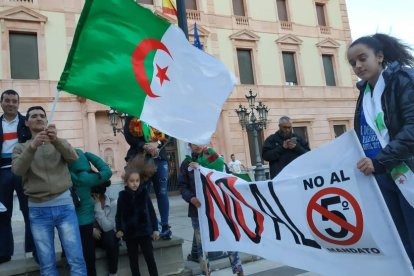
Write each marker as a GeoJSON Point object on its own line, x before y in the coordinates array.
{"type": "Point", "coordinates": [181, 227]}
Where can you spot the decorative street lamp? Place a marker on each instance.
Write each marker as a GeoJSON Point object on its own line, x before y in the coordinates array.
{"type": "Point", "coordinates": [115, 117]}
{"type": "Point", "coordinates": [251, 123]}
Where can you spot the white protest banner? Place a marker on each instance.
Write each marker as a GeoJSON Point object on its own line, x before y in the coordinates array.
{"type": "Point", "coordinates": [319, 214]}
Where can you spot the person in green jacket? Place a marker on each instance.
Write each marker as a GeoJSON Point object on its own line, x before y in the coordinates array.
{"type": "Point", "coordinates": [84, 178]}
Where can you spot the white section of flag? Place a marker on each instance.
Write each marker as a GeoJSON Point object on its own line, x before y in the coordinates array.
{"type": "Point", "coordinates": [2, 208]}
{"type": "Point", "coordinates": [190, 103]}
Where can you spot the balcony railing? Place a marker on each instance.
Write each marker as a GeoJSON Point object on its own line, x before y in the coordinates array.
{"type": "Point", "coordinates": [325, 30]}
{"type": "Point", "coordinates": [22, 1]}
{"type": "Point", "coordinates": [193, 15]}
{"type": "Point", "coordinates": [286, 25]}
{"type": "Point", "coordinates": [242, 20]}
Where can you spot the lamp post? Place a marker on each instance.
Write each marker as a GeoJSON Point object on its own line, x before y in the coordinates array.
{"type": "Point", "coordinates": [115, 117]}
{"type": "Point", "coordinates": [253, 124]}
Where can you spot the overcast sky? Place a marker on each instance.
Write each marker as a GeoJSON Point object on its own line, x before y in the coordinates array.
{"type": "Point", "coordinates": [394, 17]}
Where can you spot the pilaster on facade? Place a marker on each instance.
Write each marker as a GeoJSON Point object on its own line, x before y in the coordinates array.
{"type": "Point", "coordinates": [92, 134]}
{"type": "Point", "coordinates": [345, 20]}
{"type": "Point", "coordinates": [70, 27]}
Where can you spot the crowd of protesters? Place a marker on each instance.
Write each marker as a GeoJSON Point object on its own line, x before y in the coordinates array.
{"type": "Point", "coordinates": [62, 188]}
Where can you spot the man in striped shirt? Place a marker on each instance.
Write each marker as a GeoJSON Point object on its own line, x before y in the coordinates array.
{"type": "Point", "coordinates": [12, 131]}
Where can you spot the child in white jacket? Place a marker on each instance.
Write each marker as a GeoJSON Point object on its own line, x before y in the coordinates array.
{"type": "Point", "coordinates": [104, 228]}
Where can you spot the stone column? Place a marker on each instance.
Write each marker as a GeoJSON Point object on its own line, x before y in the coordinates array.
{"type": "Point", "coordinates": [226, 134]}
{"type": "Point", "coordinates": [93, 146]}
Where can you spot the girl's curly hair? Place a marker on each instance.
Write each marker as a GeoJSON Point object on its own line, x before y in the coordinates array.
{"type": "Point", "coordinates": [145, 168]}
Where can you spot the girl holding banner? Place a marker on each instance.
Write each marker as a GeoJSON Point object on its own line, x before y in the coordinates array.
{"type": "Point", "coordinates": [384, 122]}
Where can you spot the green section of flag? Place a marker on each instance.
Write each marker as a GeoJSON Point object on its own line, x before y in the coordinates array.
{"type": "Point", "coordinates": [399, 170]}
{"type": "Point", "coordinates": [99, 65]}
{"type": "Point", "coordinates": [367, 89]}
{"type": "Point", "coordinates": [209, 158]}
{"type": "Point", "coordinates": [379, 122]}
{"type": "Point", "coordinates": [244, 176]}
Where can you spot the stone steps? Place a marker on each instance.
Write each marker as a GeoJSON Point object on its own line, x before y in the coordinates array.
{"type": "Point", "coordinates": [168, 255]}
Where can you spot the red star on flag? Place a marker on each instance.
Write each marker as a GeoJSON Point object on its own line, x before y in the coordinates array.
{"type": "Point", "coordinates": [401, 181]}
{"type": "Point", "coordinates": [162, 74]}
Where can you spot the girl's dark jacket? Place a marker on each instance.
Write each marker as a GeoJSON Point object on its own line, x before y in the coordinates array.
{"type": "Point", "coordinates": [398, 106]}
{"type": "Point", "coordinates": [135, 215]}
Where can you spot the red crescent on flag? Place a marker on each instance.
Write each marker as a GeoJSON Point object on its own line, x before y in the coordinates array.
{"type": "Point", "coordinates": [398, 175]}
{"type": "Point", "coordinates": [138, 57]}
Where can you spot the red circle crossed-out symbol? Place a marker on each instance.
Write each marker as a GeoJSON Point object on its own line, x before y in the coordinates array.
{"type": "Point", "coordinates": [355, 229]}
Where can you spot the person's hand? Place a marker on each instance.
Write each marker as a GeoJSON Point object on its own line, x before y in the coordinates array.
{"type": "Point", "coordinates": [195, 202]}
{"type": "Point", "coordinates": [285, 144]}
{"type": "Point", "coordinates": [291, 144]}
{"type": "Point", "coordinates": [366, 166]}
{"type": "Point", "coordinates": [119, 234]}
{"type": "Point", "coordinates": [155, 235]}
{"type": "Point", "coordinates": [193, 165]}
{"type": "Point", "coordinates": [51, 131]}
{"type": "Point", "coordinates": [96, 233]}
{"type": "Point", "coordinates": [40, 139]}
{"type": "Point", "coordinates": [151, 148]}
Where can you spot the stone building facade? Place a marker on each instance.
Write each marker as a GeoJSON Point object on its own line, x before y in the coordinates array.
{"type": "Point", "coordinates": [292, 53]}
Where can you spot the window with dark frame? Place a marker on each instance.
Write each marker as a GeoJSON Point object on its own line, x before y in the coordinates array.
{"type": "Point", "coordinates": [301, 131]}
{"type": "Point", "coordinates": [238, 8]}
{"type": "Point", "coordinates": [282, 10]}
{"type": "Point", "coordinates": [24, 59]}
{"type": "Point", "coordinates": [191, 4]}
{"type": "Point", "coordinates": [149, 2]}
{"type": "Point", "coordinates": [251, 145]}
{"type": "Point", "coordinates": [289, 68]}
{"type": "Point", "coordinates": [320, 12]}
{"type": "Point", "coordinates": [329, 70]}
{"type": "Point", "coordinates": [244, 59]}
{"type": "Point", "coordinates": [339, 130]}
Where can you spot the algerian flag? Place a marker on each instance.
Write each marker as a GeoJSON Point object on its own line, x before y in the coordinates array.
{"type": "Point", "coordinates": [403, 177]}
{"type": "Point", "coordinates": [126, 57]}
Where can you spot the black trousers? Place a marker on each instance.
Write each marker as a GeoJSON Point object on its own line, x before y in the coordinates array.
{"type": "Point", "coordinates": [110, 243]}
{"type": "Point", "coordinates": [145, 242]}
{"type": "Point", "coordinates": [9, 183]}
{"type": "Point", "coordinates": [88, 247]}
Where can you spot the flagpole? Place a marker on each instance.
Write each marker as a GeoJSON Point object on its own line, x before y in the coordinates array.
{"type": "Point", "coordinates": [52, 111]}
{"type": "Point", "coordinates": [182, 17]}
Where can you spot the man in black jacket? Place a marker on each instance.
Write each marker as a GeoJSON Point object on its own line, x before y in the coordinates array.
{"type": "Point", "coordinates": [283, 147]}
{"type": "Point", "coordinates": [12, 131]}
